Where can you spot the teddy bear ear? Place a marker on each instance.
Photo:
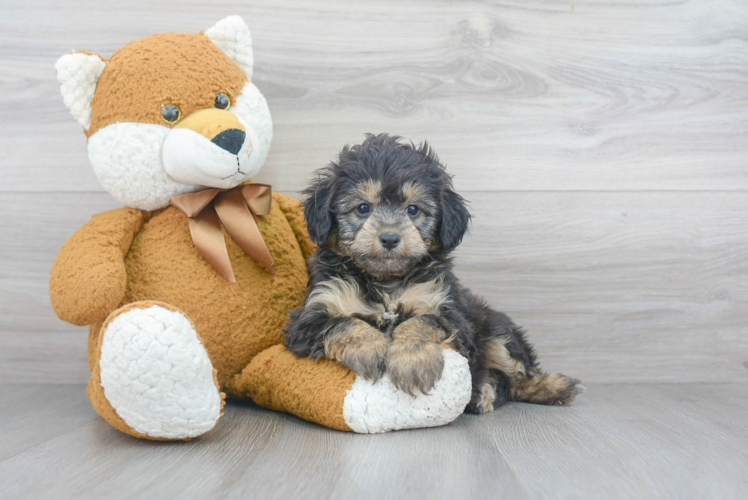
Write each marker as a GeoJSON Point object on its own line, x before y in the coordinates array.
{"type": "Point", "coordinates": [231, 35]}
{"type": "Point", "coordinates": [78, 73]}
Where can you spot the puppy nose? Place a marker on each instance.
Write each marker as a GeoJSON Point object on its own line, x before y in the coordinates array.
{"type": "Point", "coordinates": [231, 140]}
{"type": "Point", "coordinates": [389, 240]}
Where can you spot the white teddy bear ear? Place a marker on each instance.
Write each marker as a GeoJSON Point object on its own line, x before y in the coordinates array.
{"type": "Point", "coordinates": [78, 73]}
{"type": "Point", "coordinates": [231, 35]}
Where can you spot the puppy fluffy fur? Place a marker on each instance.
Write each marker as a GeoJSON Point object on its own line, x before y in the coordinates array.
{"type": "Point", "coordinates": [382, 296]}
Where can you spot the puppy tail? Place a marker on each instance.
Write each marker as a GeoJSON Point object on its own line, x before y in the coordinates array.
{"type": "Point", "coordinates": [545, 388]}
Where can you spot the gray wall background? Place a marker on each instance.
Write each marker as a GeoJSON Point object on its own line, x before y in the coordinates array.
{"type": "Point", "coordinates": [603, 147]}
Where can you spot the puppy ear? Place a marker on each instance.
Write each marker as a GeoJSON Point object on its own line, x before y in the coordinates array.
{"type": "Point", "coordinates": [317, 209]}
{"type": "Point", "coordinates": [455, 220]}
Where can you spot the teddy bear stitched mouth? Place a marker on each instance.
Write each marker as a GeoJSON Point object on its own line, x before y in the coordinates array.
{"type": "Point", "coordinates": [238, 170]}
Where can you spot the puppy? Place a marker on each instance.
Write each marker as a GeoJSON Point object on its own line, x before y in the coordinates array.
{"type": "Point", "coordinates": [382, 296]}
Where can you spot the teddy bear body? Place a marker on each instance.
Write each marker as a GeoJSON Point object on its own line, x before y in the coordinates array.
{"type": "Point", "coordinates": [236, 321]}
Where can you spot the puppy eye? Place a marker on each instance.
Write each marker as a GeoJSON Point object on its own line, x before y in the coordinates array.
{"type": "Point", "coordinates": [412, 210]}
{"type": "Point", "coordinates": [222, 101]}
{"type": "Point", "coordinates": [363, 209]}
{"type": "Point", "coordinates": [170, 114]}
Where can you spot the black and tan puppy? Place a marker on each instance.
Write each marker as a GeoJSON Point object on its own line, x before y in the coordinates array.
{"type": "Point", "coordinates": [382, 297]}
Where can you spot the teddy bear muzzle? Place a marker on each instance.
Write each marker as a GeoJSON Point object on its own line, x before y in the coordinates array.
{"type": "Point", "coordinates": [210, 147]}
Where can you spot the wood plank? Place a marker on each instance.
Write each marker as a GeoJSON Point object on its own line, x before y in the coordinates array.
{"type": "Point", "coordinates": [31, 415]}
{"type": "Point", "coordinates": [58, 356]}
{"type": "Point", "coordinates": [618, 286]}
{"type": "Point", "coordinates": [612, 287]}
{"type": "Point", "coordinates": [631, 441]}
{"type": "Point", "coordinates": [618, 441]}
{"type": "Point", "coordinates": [534, 95]}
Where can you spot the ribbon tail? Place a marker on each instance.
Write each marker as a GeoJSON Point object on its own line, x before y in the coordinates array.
{"type": "Point", "coordinates": [258, 197]}
{"type": "Point", "coordinates": [241, 225]}
{"type": "Point", "coordinates": [209, 243]}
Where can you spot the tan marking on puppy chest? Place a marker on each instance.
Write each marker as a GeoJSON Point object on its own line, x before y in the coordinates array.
{"type": "Point", "coordinates": [342, 298]}
{"type": "Point", "coordinates": [423, 298]}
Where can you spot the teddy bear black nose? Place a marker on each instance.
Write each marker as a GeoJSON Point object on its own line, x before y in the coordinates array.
{"type": "Point", "coordinates": [231, 140]}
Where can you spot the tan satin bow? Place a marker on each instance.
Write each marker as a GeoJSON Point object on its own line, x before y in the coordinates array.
{"type": "Point", "coordinates": [235, 208]}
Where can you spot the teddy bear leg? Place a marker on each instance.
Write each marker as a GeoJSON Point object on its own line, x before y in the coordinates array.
{"type": "Point", "coordinates": [151, 376]}
{"type": "Point", "coordinates": [328, 394]}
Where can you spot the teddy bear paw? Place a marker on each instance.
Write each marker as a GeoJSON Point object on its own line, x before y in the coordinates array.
{"type": "Point", "coordinates": [157, 376]}
{"type": "Point", "coordinates": [374, 407]}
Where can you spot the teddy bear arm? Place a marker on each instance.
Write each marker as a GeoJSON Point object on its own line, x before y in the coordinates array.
{"type": "Point", "coordinates": [294, 212]}
{"type": "Point", "coordinates": [88, 277]}
{"type": "Point", "coordinates": [324, 392]}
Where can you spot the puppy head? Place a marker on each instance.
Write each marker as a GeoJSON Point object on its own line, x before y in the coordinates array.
{"type": "Point", "coordinates": [170, 113]}
{"type": "Point", "coordinates": [387, 205]}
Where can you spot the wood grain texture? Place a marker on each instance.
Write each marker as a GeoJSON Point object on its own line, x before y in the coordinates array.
{"type": "Point", "coordinates": [671, 441]}
{"type": "Point", "coordinates": [515, 95]}
{"type": "Point", "coordinates": [612, 287]}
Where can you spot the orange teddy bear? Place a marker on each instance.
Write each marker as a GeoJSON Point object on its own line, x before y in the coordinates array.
{"type": "Point", "coordinates": [186, 291]}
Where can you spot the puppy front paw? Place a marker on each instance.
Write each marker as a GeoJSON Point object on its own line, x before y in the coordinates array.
{"type": "Point", "coordinates": [415, 366]}
{"type": "Point", "coordinates": [366, 358]}
{"type": "Point", "coordinates": [359, 347]}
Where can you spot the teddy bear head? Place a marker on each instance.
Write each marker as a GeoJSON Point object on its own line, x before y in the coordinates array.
{"type": "Point", "coordinates": [171, 113]}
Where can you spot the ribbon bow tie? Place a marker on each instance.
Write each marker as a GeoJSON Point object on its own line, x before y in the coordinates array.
{"type": "Point", "coordinates": [236, 209]}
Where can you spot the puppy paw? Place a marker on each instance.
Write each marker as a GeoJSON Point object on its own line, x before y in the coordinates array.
{"type": "Point", "coordinates": [414, 366]}
{"type": "Point", "coordinates": [366, 358]}
{"type": "Point", "coordinates": [359, 347]}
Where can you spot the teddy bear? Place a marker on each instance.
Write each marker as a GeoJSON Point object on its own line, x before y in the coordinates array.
{"type": "Point", "coordinates": [186, 289]}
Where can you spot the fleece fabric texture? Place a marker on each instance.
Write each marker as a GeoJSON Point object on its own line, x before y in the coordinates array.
{"type": "Point", "coordinates": [312, 390]}
{"type": "Point", "coordinates": [117, 259]}
{"type": "Point", "coordinates": [140, 78]}
{"type": "Point", "coordinates": [125, 256]}
{"type": "Point", "coordinates": [88, 277]}
{"type": "Point", "coordinates": [78, 73]}
{"type": "Point", "coordinates": [95, 391]}
{"type": "Point", "coordinates": [156, 374]}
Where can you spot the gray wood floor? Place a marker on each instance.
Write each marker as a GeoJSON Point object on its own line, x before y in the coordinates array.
{"type": "Point", "coordinates": [678, 441]}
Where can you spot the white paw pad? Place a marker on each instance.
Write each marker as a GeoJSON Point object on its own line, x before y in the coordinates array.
{"type": "Point", "coordinates": [380, 407]}
{"type": "Point", "coordinates": [157, 376]}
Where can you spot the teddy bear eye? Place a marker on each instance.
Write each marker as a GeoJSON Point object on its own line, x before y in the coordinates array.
{"type": "Point", "coordinates": [170, 113]}
{"type": "Point", "coordinates": [222, 101]}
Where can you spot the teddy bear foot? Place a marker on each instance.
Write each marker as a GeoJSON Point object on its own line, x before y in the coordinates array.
{"type": "Point", "coordinates": [154, 379]}
{"type": "Point", "coordinates": [372, 408]}
{"type": "Point", "coordinates": [328, 394]}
